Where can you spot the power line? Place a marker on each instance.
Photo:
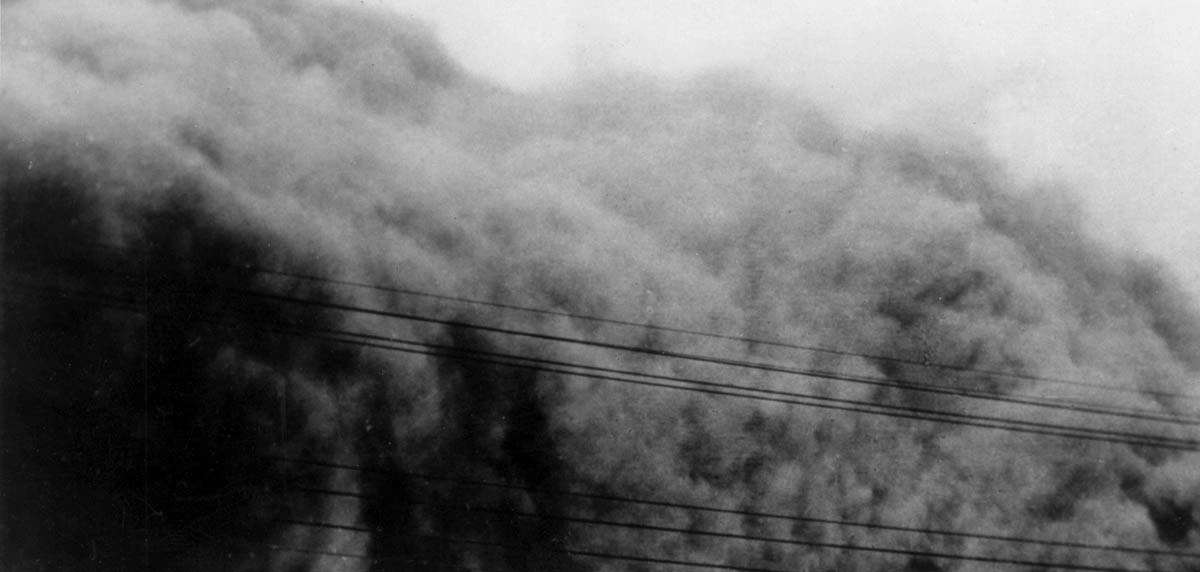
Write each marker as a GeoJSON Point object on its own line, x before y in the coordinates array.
{"type": "Point", "coordinates": [724, 389]}
{"type": "Point", "coordinates": [735, 536]}
{"type": "Point", "coordinates": [1061, 404]}
{"type": "Point", "coordinates": [772, 539]}
{"type": "Point", "coordinates": [700, 358]}
{"type": "Point", "coordinates": [575, 365]}
{"type": "Point", "coordinates": [778, 396]}
{"type": "Point", "coordinates": [352, 333]}
{"type": "Point", "coordinates": [1057, 404]}
{"type": "Point", "coordinates": [816, 401]}
{"type": "Point", "coordinates": [655, 327]}
{"type": "Point", "coordinates": [906, 385]}
{"type": "Point", "coordinates": [718, 510]}
{"type": "Point", "coordinates": [1042, 428]}
{"type": "Point", "coordinates": [711, 565]}
{"type": "Point", "coordinates": [712, 335]}
{"type": "Point", "coordinates": [546, 550]}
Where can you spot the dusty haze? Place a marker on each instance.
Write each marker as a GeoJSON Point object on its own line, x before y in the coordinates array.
{"type": "Point", "coordinates": [163, 151]}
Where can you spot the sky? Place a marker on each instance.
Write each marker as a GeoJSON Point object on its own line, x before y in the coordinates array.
{"type": "Point", "coordinates": [1100, 95]}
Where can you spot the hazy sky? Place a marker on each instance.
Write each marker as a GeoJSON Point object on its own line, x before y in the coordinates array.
{"type": "Point", "coordinates": [1103, 94]}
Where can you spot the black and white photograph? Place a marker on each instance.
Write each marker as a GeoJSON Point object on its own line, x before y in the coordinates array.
{"type": "Point", "coordinates": [599, 286]}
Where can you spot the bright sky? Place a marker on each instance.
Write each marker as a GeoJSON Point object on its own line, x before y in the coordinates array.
{"type": "Point", "coordinates": [1105, 94]}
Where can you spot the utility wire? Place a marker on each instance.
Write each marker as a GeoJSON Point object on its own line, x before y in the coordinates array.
{"type": "Point", "coordinates": [749, 537]}
{"type": "Point", "coordinates": [71, 294]}
{"type": "Point", "coordinates": [715, 510]}
{"type": "Point", "coordinates": [815, 401]}
{"type": "Point", "coordinates": [655, 327]}
{"type": "Point", "coordinates": [713, 335]}
{"type": "Point", "coordinates": [1064, 404]}
{"type": "Point", "coordinates": [768, 539]}
{"type": "Point", "coordinates": [725, 389]}
{"type": "Point", "coordinates": [907, 385]}
{"type": "Point", "coordinates": [897, 411]}
{"type": "Point", "coordinates": [546, 550]}
{"type": "Point", "coordinates": [700, 358]}
{"type": "Point", "coordinates": [804, 373]}
{"type": "Point", "coordinates": [711, 565]}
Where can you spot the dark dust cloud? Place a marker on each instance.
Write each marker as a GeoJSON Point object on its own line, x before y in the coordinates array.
{"type": "Point", "coordinates": [157, 154]}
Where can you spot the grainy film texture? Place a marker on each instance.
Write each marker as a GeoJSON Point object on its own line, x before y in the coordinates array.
{"type": "Point", "coordinates": [286, 288]}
